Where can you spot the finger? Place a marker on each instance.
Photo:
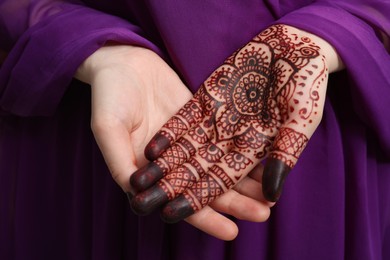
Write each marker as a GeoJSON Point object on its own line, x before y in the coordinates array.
{"type": "Point", "coordinates": [247, 185]}
{"type": "Point", "coordinates": [251, 185]}
{"type": "Point", "coordinates": [146, 176]}
{"type": "Point", "coordinates": [221, 177]}
{"type": "Point", "coordinates": [286, 148]}
{"type": "Point", "coordinates": [180, 179]}
{"type": "Point", "coordinates": [242, 207]}
{"type": "Point", "coordinates": [301, 114]}
{"type": "Point", "coordinates": [214, 224]}
{"type": "Point", "coordinates": [177, 181]}
{"type": "Point", "coordinates": [170, 159]}
{"type": "Point", "coordinates": [173, 184]}
{"type": "Point", "coordinates": [187, 117]}
{"type": "Point", "coordinates": [257, 173]}
{"type": "Point", "coordinates": [252, 189]}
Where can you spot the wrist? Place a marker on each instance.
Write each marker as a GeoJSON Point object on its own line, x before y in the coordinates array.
{"type": "Point", "coordinates": [106, 58]}
{"type": "Point", "coordinates": [332, 58]}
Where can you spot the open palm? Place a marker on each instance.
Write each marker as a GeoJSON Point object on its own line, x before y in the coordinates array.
{"type": "Point", "coordinates": [266, 100]}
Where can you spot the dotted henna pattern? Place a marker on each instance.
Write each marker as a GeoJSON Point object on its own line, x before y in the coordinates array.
{"type": "Point", "coordinates": [236, 117]}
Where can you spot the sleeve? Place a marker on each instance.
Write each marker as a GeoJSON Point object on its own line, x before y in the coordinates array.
{"type": "Point", "coordinates": [46, 41]}
{"type": "Point", "coordinates": [360, 32]}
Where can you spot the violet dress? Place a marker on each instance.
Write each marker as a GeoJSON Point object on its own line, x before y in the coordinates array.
{"type": "Point", "coordinates": [57, 198]}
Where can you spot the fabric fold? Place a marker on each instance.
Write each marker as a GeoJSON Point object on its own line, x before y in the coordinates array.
{"type": "Point", "coordinates": [75, 33]}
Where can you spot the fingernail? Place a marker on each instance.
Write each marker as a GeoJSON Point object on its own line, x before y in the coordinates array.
{"type": "Point", "coordinates": [274, 175]}
{"type": "Point", "coordinates": [176, 210]}
{"type": "Point", "coordinates": [156, 146]}
{"type": "Point", "coordinates": [145, 177]}
{"type": "Point", "coordinates": [145, 202]}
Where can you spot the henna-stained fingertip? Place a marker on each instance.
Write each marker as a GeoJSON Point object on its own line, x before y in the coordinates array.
{"type": "Point", "coordinates": [274, 175]}
{"type": "Point", "coordinates": [156, 146]}
{"type": "Point", "coordinates": [145, 177]}
{"type": "Point", "coordinates": [146, 202]}
{"type": "Point", "coordinates": [176, 210]}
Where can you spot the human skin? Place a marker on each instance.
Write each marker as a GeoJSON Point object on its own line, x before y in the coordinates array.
{"type": "Point", "coordinates": [129, 107]}
{"type": "Point", "coordinates": [264, 102]}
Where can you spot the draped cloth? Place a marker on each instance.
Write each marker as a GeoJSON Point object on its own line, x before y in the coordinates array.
{"type": "Point", "coordinates": [57, 198]}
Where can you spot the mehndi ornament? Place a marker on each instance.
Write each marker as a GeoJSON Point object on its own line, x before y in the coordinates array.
{"type": "Point", "coordinates": [265, 101]}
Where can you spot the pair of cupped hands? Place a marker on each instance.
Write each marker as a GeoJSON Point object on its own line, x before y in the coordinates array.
{"type": "Point", "coordinates": [225, 150]}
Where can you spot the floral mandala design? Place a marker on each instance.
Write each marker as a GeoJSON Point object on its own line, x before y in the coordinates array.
{"type": "Point", "coordinates": [250, 90]}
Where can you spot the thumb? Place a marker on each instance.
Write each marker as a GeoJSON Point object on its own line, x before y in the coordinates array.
{"type": "Point", "coordinates": [286, 148]}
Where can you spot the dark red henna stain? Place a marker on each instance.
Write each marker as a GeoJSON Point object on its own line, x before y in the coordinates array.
{"type": "Point", "coordinates": [156, 146]}
{"type": "Point", "coordinates": [287, 147]}
{"type": "Point", "coordinates": [147, 201]}
{"type": "Point", "coordinates": [203, 193]}
{"type": "Point", "coordinates": [173, 129]}
{"type": "Point", "coordinates": [173, 184]}
{"type": "Point", "coordinates": [176, 210]}
{"type": "Point", "coordinates": [237, 161]}
{"type": "Point", "coordinates": [172, 158]}
{"type": "Point", "coordinates": [177, 181]}
{"type": "Point", "coordinates": [274, 175]}
{"type": "Point", "coordinates": [191, 112]}
{"type": "Point", "coordinates": [145, 177]}
{"type": "Point", "coordinates": [210, 153]}
{"type": "Point", "coordinates": [175, 155]}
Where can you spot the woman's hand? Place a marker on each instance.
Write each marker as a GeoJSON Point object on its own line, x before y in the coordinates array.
{"type": "Point", "coordinates": [134, 92]}
{"type": "Point", "coordinates": [265, 101]}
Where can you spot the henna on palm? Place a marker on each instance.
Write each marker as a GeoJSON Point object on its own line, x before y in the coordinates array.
{"type": "Point", "coordinates": [264, 100]}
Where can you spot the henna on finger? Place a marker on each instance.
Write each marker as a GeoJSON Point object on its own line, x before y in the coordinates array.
{"type": "Point", "coordinates": [170, 159]}
{"type": "Point", "coordinates": [285, 151]}
{"type": "Point", "coordinates": [168, 188]}
{"type": "Point", "coordinates": [178, 180]}
{"type": "Point", "coordinates": [146, 176]}
{"type": "Point", "coordinates": [267, 98]}
{"type": "Point", "coordinates": [174, 128]}
{"type": "Point", "coordinates": [220, 178]}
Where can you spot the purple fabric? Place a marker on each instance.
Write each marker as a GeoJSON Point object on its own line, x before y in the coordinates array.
{"type": "Point", "coordinates": [57, 199]}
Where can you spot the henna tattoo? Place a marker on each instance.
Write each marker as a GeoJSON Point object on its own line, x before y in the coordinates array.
{"type": "Point", "coordinates": [258, 102]}
{"type": "Point", "coordinates": [177, 181]}
{"type": "Point", "coordinates": [198, 135]}
{"type": "Point", "coordinates": [185, 119]}
{"type": "Point", "coordinates": [237, 161]}
{"type": "Point", "coordinates": [211, 153]}
{"type": "Point", "coordinates": [175, 155]}
{"type": "Point", "coordinates": [170, 159]}
{"type": "Point", "coordinates": [146, 176]}
{"type": "Point", "coordinates": [215, 183]}
{"type": "Point", "coordinates": [288, 145]}
{"type": "Point", "coordinates": [181, 178]}
{"type": "Point", "coordinates": [255, 141]}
